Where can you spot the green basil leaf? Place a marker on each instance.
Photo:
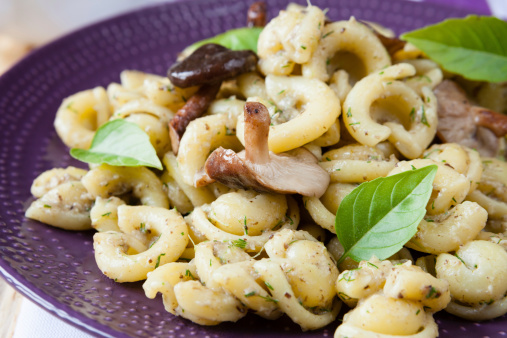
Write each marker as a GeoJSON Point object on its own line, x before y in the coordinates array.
{"type": "Point", "coordinates": [380, 216]}
{"type": "Point", "coordinates": [119, 143]}
{"type": "Point", "coordinates": [235, 39]}
{"type": "Point", "coordinates": [474, 47]}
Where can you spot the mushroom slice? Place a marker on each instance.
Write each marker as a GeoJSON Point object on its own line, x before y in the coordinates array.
{"type": "Point", "coordinates": [259, 169]}
{"type": "Point", "coordinates": [194, 108]}
{"type": "Point", "coordinates": [471, 126]}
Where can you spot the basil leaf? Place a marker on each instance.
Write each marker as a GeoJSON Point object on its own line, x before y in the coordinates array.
{"type": "Point", "coordinates": [119, 143]}
{"type": "Point", "coordinates": [380, 216]}
{"type": "Point", "coordinates": [235, 39]}
{"type": "Point", "coordinates": [475, 47]}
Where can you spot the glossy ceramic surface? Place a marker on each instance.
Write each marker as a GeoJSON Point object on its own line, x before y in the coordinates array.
{"type": "Point", "coordinates": [56, 268]}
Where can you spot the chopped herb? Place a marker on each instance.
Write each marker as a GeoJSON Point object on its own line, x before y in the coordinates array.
{"type": "Point", "coordinates": [303, 47]}
{"type": "Point", "coordinates": [142, 228]}
{"type": "Point", "coordinates": [293, 242]}
{"type": "Point", "coordinates": [184, 98]}
{"type": "Point", "coordinates": [268, 285]}
{"type": "Point", "coordinates": [431, 152]}
{"type": "Point", "coordinates": [351, 124]}
{"type": "Point", "coordinates": [277, 225]}
{"type": "Point", "coordinates": [413, 168]}
{"type": "Point", "coordinates": [433, 293]}
{"type": "Point", "coordinates": [429, 220]}
{"type": "Point", "coordinates": [182, 234]}
{"type": "Point", "coordinates": [423, 118]}
{"type": "Point", "coordinates": [381, 73]}
{"type": "Point", "coordinates": [454, 200]}
{"type": "Point", "coordinates": [106, 214]}
{"type": "Point", "coordinates": [158, 260]}
{"type": "Point", "coordinates": [245, 227]}
{"type": "Point", "coordinates": [412, 114]}
{"type": "Point", "coordinates": [373, 265]}
{"type": "Point", "coordinates": [418, 311]}
{"type": "Point", "coordinates": [240, 243]}
{"type": "Point", "coordinates": [344, 296]}
{"type": "Point", "coordinates": [47, 206]}
{"type": "Point", "coordinates": [290, 219]}
{"type": "Point", "coordinates": [349, 113]}
{"type": "Point", "coordinates": [269, 299]}
{"type": "Point", "coordinates": [281, 91]}
{"type": "Point", "coordinates": [328, 159]}
{"type": "Point", "coordinates": [287, 64]}
{"type": "Point", "coordinates": [337, 169]}
{"type": "Point", "coordinates": [328, 61]}
{"type": "Point", "coordinates": [188, 273]}
{"type": "Point", "coordinates": [458, 257]}
{"type": "Point", "coordinates": [250, 294]}
{"type": "Point", "coordinates": [433, 205]}
{"type": "Point", "coordinates": [327, 34]}
{"type": "Point", "coordinates": [388, 83]}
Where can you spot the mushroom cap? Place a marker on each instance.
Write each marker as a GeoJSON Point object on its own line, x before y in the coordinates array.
{"type": "Point", "coordinates": [259, 169]}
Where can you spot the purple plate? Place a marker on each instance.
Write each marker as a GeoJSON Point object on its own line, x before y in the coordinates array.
{"type": "Point", "coordinates": [56, 268]}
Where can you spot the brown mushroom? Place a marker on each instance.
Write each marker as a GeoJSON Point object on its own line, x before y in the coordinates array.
{"type": "Point", "coordinates": [259, 169]}
{"type": "Point", "coordinates": [461, 122]}
{"type": "Point", "coordinates": [211, 63]}
{"type": "Point", "coordinates": [256, 15]}
{"type": "Point", "coordinates": [195, 106]}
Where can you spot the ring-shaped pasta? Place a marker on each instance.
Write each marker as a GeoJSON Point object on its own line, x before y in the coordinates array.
{"type": "Point", "coordinates": [239, 279]}
{"type": "Point", "coordinates": [289, 38]}
{"type": "Point", "coordinates": [330, 137]}
{"type": "Point", "coordinates": [321, 109]}
{"type": "Point", "coordinates": [80, 115]}
{"type": "Point", "coordinates": [206, 306]}
{"type": "Point", "coordinates": [104, 213]}
{"type": "Point", "coordinates": [52, 178]}
{"type": "Point", "coordinates": [111, 247]}
{"type": "Point", "coordinates": [477, 275]}
{"type": "Point", "coordinates": [231, 107]}
{"type": "Point", "coordinates": [252, 84]}
{"type": "Point", "coordinates": [420, 116]}
{"type": "Point", "coordinates": [462, 159]}
{"type": "Point", "coordinates": [428, 74]}
{"type": "Point", "coordinates": [449, 186]}
{"type": "Point", "coordinates": [323, 210]}
{"type": "Point", "coordinates": [347, 36]}
{"type": "Point", "coordinates": [106, 181]}
{"type": "Point", "coordinates": [143, 106]}
{"type": "Point", "coordinates": [356, 164]}
{"type": "Point", "coordinates": [403, 319]}
{"type": "Point", "coordinates": [247, 212]}
{"type": "Point", "coordinates": [281, 290]}
{"type": "Point", "coordinates": [308, 266]}
{"type": "Point", "coordinates": [67, 206]}
{"type": "Point", "coordinates": [201, 137]}
{"type": "Point", "coordinates": [201, 228]}
{"type": "Point", "coordinates": [164, 278]}
{"type": "Point", "coordinates": [447, 232]}
{"type": "Point", "coordinates": [119, 95]}
{"type": "Point", "coordinates": [197, 196]}
{"type": "Point", "coordinates": [211, 255]}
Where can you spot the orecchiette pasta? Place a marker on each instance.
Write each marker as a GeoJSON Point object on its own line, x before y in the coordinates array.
{"type": "Point", "coordinates": [477, 276]}
{"type": "Point", "coordinates": [166, 228]}
{"type": "Point", "coordinates": [80, 115]}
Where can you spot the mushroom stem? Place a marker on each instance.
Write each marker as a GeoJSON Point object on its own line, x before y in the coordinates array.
{"type": "Point", "coordinates": [257, 123]}
{"type": "Point", "coordinates": [490, 119]}
{"type": "Point", "coordinates": [196, 105]}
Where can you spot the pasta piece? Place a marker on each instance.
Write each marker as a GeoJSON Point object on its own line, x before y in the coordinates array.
{"type": "Point", "coordinates": [356, 164]}
{"type": "Point", "coordinates": [477, 276]}
{"type": "Point", "coordinates": [66, 206]}
{"type": "Point", "coordinates": [347, 36]}
{"type": "Point", "coordinates": [201, 228]}
{"type": "Point", "coordinates": [410, 130]}
{"type": "Point", "coordinates": [290, 38]}
{"type": "Point", "coordinates": [106, 181]}
{"type": "Point", "coordinates": [80, 115]}
{"type": "Point", "coordinates": [104, 214]}
{"type": "Point", "coordinates": [111, 247]}
{"type": "Point", "coordinates": [403, 319]}
{"type": "Point", "coordinates": [201, 137]}
{"type": "Point", "coordinates": [52, 178]}
{"type": "Point", "coordinates": [252, 84]}
{"type": "Point", "coordinates": [320, 109]}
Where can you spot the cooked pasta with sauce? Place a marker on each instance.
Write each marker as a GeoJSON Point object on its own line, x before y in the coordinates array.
{"type": "Point", "coordinates": [257, 158]}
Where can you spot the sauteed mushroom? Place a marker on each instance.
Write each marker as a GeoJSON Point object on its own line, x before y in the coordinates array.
{"type": "Point", "coordinates": [211, 63]}
{"type": "Point", "coordinates": [461, 122]}
{"type": "Point", "coordinates": [259, 169]}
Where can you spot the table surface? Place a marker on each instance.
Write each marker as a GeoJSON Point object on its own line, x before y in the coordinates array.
{"type": "Point", "coordinates": [17, 315]}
